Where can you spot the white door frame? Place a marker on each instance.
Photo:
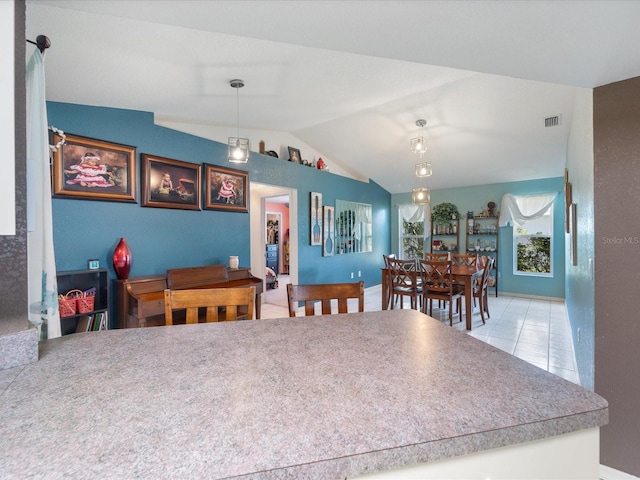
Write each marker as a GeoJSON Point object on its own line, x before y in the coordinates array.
{"type": "Point", "coordinates": [259, 194]}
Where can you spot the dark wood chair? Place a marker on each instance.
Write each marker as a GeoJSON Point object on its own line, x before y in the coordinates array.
{"type": "Point", "coordinates": [218, 304]}
{"type": "Point", "coordinates": [388, 276]}
{"type": "Point", "coordinates": [468, 259]}
{"type": "Point", "coordinates": [439, 257]}
{"type": "Point", "coordinates": [325, 293]}
{"type": "Point", "coordinates": [437, 284]}
{"type": "Point", "coordinates": [436, 256]}
{"type": "Point", "coordinates": [480, 289]}
{"type": "Point", "coordinates": [404, 281]}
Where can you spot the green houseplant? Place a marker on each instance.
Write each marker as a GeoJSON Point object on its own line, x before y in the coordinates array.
{"type": "Point", "coordinates": [442, 213]}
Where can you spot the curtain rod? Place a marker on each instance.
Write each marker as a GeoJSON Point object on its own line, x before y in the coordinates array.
{"type": "Point", "coordinates": [42, 42]}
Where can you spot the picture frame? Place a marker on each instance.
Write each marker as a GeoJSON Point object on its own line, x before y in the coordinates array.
{"type": "Point", "coordinates": [93, 264]}
{"type": "Point", "coordinates": [294, 155]}
{"type": "Point", "coordinates": [315, 218]}
{"type": "Point", "coordinates": [169, 183]}
{"type": "Point", "coordinates": [225, 189]}
{"type": "Point", "coordinates": [90, 169]}
{"type": "Point", "coordinates": [328, 233]}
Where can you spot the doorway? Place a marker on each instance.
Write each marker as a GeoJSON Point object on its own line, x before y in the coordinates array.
{"type": "Point", "coordinates": [274, 218]}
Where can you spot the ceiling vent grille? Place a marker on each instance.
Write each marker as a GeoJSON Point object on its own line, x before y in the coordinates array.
{"type": "Point", "coordinates": [552, 121]}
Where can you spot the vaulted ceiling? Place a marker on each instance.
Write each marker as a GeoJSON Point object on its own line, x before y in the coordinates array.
{"type": "Point", "coordinates": [349, 79]}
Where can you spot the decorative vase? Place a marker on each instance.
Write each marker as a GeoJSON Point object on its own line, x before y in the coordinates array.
{"type": "Point", "coordinates": [122, 259]}
{"type": "Point", "coordinates": [233, 261]}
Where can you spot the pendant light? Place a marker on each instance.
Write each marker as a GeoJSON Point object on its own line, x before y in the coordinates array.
{"type": "Point", "coordinates": [421, 195]}
{"type": "Point", "coordinates": [419, 144]}
{"type": "Point", "coordinates": [423, 170]}
{"type": "Point", "coordinates": [238, 147]}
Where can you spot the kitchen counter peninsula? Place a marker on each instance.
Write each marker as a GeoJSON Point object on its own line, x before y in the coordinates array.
{"type": "Point", "coordinates": [312, 397]}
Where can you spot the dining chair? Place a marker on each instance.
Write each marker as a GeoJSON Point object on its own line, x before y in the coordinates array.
{"type": "Point", "coordinates": [437, 284]}
{"type": "Point", "coordinates": [388, 275]}
{"type": "Point", "coordinates": [469, 259]}
{"type": "Point", "coordinates": [436, 256]}
{"type": "Point", "coordinates": [325, 293]}
{"type": "Point", "coordinates": [483, 260]}
{"type": "Point", "coordinates": [404, 281]}
{"type": "Point", "coordinates": [480, 289]}
{"type": "Point", "coordinates": [386, 259]}
{"type": "Point", "coordinates": [221, 304]}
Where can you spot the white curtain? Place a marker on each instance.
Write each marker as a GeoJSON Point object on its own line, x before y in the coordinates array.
{"type": "Point", "coordinates": [521, 208]}
{"type": "Point", "coordinates": [43, 290]}
{"type": "Point", "coordinates": [417, 213]}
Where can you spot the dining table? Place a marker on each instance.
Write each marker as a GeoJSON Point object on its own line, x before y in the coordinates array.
{"type": "Point", "coordinates": [465, 275]}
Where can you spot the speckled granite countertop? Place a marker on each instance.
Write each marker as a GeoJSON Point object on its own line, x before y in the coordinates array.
{"type": "Point", "coordinates": [315, 397]}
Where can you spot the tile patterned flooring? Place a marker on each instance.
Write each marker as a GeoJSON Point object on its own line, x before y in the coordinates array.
{"type": "Point", "coordinates": [534, 330]}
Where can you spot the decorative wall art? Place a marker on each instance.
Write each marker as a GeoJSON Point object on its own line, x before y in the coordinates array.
{"type": "Point", "coordinates": [294, 155]}
{"type": "Point", "coordinates": [567, 200]}
{"type": "Point", "coordinates": [89, 169]}
{"type": "Point", "coordinates": [574, 234]}
{"type": "Point", "coordinates": [315, 218]}
{"type": "Point", "coordinates": [168, 183]}
{"type": "Point", "coordinates": [225, 189]}
{"type": "Point", "coordinates": [328, 233]}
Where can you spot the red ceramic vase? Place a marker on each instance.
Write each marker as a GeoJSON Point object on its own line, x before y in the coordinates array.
{"type": "Point", "coordinates": [122, 260]}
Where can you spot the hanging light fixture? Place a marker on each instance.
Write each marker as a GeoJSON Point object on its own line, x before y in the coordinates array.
{"type": "Point", "coordinates": [421, 195]}
{"type": "Point", "coordinates": [423, 170]}
{"type": "Point", "coordinates": [238, 147]}
{"type": "Point", "coordinates": [419, 144]}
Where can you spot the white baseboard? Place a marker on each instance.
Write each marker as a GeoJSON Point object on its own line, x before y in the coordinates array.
{"type": "Point", "coordinates": [608, 473]}
{"type": "Point", "coordinates": [526, 295]}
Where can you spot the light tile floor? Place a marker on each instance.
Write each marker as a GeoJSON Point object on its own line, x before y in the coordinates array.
{"type": "Point", "coordinates": [534, 330]}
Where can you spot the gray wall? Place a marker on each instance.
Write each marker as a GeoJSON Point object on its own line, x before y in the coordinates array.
{"type": "Point", "coordinates": [616, 123]}
{"type": "Point", "coordinates": [13, 249]}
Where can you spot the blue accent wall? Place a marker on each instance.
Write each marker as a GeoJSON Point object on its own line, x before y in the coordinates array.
{"type": "Point", "coordinates": [162, 238]}
{"type": "Point", "coordinates": [475, 198]}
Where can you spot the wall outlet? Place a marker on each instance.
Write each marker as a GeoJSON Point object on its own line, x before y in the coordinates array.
{"type": "Point", "coordinates": [359, 273]}
{"type": "Point", "coordinates": [351, 274]}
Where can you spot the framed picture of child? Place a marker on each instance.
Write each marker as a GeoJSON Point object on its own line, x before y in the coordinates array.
{"type": "Point", "coordinates": [225, 189]}
{"type": "Point", "coordinates": [90, 169]}
{"type": "Point", "coordinates": [168, 183]}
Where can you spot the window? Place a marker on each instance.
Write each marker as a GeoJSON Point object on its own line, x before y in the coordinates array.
{"type": "Point", "coordinates": [531, 217]}
{"type": "Point", "coordinates": [532, 247]}
{"type": "Point", "coordinates": [412, 230]}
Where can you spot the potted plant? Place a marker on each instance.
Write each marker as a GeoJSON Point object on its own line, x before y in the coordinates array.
{"type": "Point", "coordinates": [443, 213]}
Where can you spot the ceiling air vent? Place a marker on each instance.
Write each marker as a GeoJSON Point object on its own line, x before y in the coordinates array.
{"type": "Point", "coordinates": [552, 121]}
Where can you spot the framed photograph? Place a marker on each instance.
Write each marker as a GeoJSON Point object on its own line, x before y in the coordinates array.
{"type": "Point", "coordinates": [168, 183]}
{"type": "Point", "coordinates": [315, 217]}
{"type": "Point", "coordinates": [225, 189]}
{"type": "Point", "coordinates": [90, 169]}
{"type": "Point", "coordinates": [94, 264]}
{"type": "Point", "coordinates": [294, 155]}
{"type": "Point", "coordinates": [328, 233]}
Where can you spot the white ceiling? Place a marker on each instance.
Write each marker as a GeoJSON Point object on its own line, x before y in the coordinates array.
{"type": "Point", "coordinates": [349, 79]}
